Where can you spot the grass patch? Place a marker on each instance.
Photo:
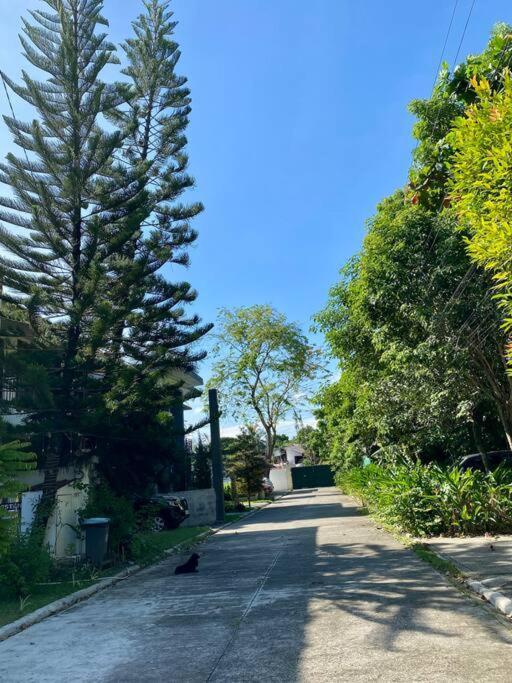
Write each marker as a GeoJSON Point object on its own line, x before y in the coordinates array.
{"type": "Point", "coordinates": [256, 503]}
{"type": "Point", "coordinates": [443, 566]}
{"type": "Point", "coordinates": [234, 516]}
{"type": "Point", "coordinates": [12, 608]}
{"type": "Point", "coordinates": [150, 547]}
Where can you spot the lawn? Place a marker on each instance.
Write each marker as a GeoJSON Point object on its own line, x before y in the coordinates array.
{"type": "Point", "coordinates": [148, 548]}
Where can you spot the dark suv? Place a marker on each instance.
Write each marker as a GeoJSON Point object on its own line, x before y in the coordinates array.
{"type": "Point", "coordinates": [494, 459]}
{"type": "Point", "coordinates": [162, 510]}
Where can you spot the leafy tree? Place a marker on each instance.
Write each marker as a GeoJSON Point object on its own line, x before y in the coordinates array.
{"type": "Point", "coordinates": [201, 466]}
{"type": "Point", "coordinates": [311, 440]}
{"type": "Point", "coordinates": [481, 184]}
{"type": "Point", "coordinates": [452, 94]}
{"type": "Point", "coordinates": [281, 440]}
{"type": "Point", "coordinates": [412, 377]}
{"type": "Point", "coordinates": [263, 366]}
{"type": "Point", "coordinates": [413, 322]}
{"type": "Point", "coordinates": [246, 462]}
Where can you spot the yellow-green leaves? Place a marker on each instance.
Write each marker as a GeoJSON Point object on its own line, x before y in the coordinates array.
{"type": "Point", "coordinates": [481, 183]}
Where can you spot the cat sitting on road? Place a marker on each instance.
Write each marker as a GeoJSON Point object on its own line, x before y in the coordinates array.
{"type": "Point", "coordinates": [190, 565]}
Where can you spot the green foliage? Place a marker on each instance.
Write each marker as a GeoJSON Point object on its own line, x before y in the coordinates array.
{"type": "Point", "coordinates": [409, 378]}
{"type": "Point", "coordinates": [93, 212]}
{"type": "Point", "coordinates": [246, 463]}
{"type": "Point", "coordinates": [201, 466]}
{"type": "Point", "coordinates": [412, 322]}
{"type": "Point", "coordinates": [482, 186]}
{"type": "Point", "coordinates": [14, 458]}
{"type": "Point", "coordinates": [262, 364]}
{"type": "Point", "coordinates": [24, 562]}
{"type": "Point", "coordinates": [103, 502]}
{"type": "Point", "coordinates": [452, 94]}
{"type": "Point", "coordinates": [149, 547]}
{"type": "Point", "coordinates": [312, 441]}
{"type": "Point", "coordinates": [428, 500]}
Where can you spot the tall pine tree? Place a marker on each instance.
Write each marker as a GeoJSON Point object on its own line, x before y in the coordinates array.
{"type": "Point", "coordinates": [71, 206]}
{"type": "Point", "coordinates": [154, 332]}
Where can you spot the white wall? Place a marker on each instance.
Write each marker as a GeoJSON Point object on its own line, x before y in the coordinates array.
{"type": "Point", "coordinates": [281, 477]}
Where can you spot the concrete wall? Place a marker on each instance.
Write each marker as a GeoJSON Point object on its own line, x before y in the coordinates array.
{"type": "Point", "coordinates": [61, 531]}
{"type": "Point", "coordinates": [281, 477]}
{"type": "Point", "coordinates": [201, 504]}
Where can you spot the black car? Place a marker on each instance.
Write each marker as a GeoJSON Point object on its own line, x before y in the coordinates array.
{"type": "Point", "coordinates": [494, 459]}
{"type": "Point", "coordinates": [162, 511]}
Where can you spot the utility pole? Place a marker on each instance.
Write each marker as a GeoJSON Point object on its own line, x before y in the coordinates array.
{"type": "Point", "coordinates": [217, 473]}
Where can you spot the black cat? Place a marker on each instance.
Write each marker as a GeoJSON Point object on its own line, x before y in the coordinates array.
{"type": "Point", "coordinates": [190, 565]}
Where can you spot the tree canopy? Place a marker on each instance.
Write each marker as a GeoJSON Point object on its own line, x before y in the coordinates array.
{"type": "Point", "coordinates": [413, 321]}
{"type": "Point", "coordinates": [263, 366]}
{"type": "Point", "coordinates": [92, 214]}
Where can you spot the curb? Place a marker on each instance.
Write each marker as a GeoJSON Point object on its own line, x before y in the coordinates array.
{"type": "Point", "coordinates": [63, 603]}
{"type": "Point", "coordinates": [79, 596]}
{"type": "Point", "coordinates": [497, 599]}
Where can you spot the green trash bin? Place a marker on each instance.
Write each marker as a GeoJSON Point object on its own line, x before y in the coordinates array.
{"type": "Point", "coordinates": [96, 538]}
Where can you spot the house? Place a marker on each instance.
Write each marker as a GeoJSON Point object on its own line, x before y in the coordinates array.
{"type": "Point", "coordinates": [283, 460]}
{"type": "Point", "coordinates": [71, 494]}
{"type": "Point", "coordinates": [292, 455]}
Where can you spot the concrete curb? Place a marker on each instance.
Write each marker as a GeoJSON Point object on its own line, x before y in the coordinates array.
{"type": "Point", "coordinates": [63, 603]}
{"type": "Point", "coordinates": [497, 599]}
{"type": "Point", "coordinates": [482, 588]}
{"type": "Point", "coordinates": [73, 598]}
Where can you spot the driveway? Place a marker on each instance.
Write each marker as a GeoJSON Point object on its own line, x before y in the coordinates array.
{"type": "Point", "coordinates": [305, 590]}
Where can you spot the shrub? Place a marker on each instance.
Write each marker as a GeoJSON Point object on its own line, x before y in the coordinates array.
{"type": "Point", "coordinates": [230, 506]}
{"type": "Point", "coordinates": [25, 562]}
{"type": "Point", "coordinates": [428, 500]}
{"type": "Point", "coordinates": [228, 495]}
{"type": "Point", "coordinates": [103, 502]}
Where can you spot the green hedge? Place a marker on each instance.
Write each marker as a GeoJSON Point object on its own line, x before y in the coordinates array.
{"type": "Point", "coordinates": [429, 500]}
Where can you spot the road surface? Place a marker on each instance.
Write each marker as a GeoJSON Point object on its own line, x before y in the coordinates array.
{"type": "Point", "coordinates": [305, 590]}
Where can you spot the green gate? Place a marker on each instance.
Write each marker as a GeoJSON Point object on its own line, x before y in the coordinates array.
{"type": "Point", "coordinates": [313, 477]}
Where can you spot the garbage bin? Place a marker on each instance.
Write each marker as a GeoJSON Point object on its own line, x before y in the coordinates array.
{"type": "Point", "coordinates": [96, 538]}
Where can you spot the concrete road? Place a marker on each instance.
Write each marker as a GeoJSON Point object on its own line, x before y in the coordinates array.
{"type": "Point", "coordinates": [305, 590]}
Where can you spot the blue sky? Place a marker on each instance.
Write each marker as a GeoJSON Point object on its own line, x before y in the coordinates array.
{"type": "Point", "coordinates": [299, 127]}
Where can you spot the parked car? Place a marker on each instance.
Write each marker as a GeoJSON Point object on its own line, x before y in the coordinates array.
{"type": "Point", "coordinates": [162, 511]}
{"type": "Point", "coordinates": [267, 486]}
{"type": "Point", "coordinates": [494, 459]}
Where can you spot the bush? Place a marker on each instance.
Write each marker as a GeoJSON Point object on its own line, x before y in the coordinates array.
{"type": "Point", "coordinates": [228, 495]}
{"type": "Point", "coordinates": [25, 563]}
{"type": "Point", "coordinates": [429, 500]}
{"type": "Point", "coordinates": [230, 506]}
{"type": "Point", "coordinates": [103, 502]}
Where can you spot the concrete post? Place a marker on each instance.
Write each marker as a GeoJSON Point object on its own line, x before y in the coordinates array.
{"type": "Point", "coordinates": [217, 473]}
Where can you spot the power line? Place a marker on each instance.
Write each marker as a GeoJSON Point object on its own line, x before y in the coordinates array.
{"type": "Point", "coordinates": [464, 31]}
{"type": "Point", "coordinates": [455, 5]}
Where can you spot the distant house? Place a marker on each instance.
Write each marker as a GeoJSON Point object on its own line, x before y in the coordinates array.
{"type": "Point", "coordinates": [292, 455]}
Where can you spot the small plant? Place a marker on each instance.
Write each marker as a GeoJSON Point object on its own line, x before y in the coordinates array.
{"type": "Point", "coordinates": [24, 602]}
{"type": "Point", "coordinates": [25, 563]}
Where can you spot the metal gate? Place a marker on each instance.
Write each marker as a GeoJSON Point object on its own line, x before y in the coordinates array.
{"type": "Point", "coordinates": [313, 477]}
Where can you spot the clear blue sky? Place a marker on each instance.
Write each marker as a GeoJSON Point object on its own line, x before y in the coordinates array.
{"type": "Point", "coordinates": [299, 127]}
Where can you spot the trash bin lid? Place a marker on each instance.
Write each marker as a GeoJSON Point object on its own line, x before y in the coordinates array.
{"type": "Point", "coordinates": [95, 521]}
